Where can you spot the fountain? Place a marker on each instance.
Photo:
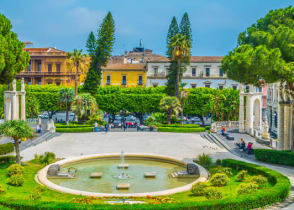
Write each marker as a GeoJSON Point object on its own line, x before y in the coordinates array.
{"type": "Point", "coordinates": [122, 166]}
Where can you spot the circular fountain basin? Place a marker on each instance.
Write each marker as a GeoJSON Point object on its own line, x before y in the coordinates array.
{"type": "Point", "coordinates": [106, 186]}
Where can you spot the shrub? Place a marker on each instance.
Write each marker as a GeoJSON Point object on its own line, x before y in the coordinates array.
{"type": "Point", "coordinates": [179, 125]}
{"type": "Point", "coordinates": [241, 176]}
{"type": "Point", "coordinates": [59, 125]}
{"type": "Point", "coordinates": [180, 130]}
{"type": "Point", "coordinates": [247, 188]}
{"type": "Point", "coordinates": [2, 189]}
{"type": "Point", "coordinates": [15, 169]}
{"type": "Point", "coordinates": [274, 156]}
{"type": "Point", "coordinates": [259, 180]}
{"type": "Point", "coordinates": [16, 180]}
{"type": "Point", "coordinates": [37, 193]}
{"type": "Point", "coordinates": [199, 189]}
{"type": "Point", "coordinates": [204, 160]}
{"type": "Point", "coordinates": [219, 179]}
{"type": "Point", "coordinates": [6, 148]}
{"type": "Point", "coordinates": [47, 158]}
{"type": "Point", "coordinates": [220, 169]}
{"type": "Point", "coordinates": [218, 162]}
{"type": "Point", "coordinates": [75, 130]}
{"type": "Point", "coordinates": [213, 193]}
{"type": "Point", "coordinates": [207, 128]}
{"type": "Point", "coordinates": [7, 159]}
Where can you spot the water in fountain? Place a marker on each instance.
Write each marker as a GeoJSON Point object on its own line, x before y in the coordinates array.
{"type": "Point", "coordinates": [123, 175]}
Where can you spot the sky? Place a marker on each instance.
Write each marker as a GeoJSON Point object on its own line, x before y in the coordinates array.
{"type": "Point", "coordinates": [66, 24]}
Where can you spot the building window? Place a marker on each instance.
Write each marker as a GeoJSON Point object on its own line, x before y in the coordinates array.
{"type": "Point", "coordinates": [234, 87]}
{"type": "Point", "coordinates": [221, 73]}
{"type": "Point", "coordinates": [275, 119]}
{"type": "Point", "coordinates": [193, 85]}
{"type": "Point", "coordinates": [140, 80]}
{"type": "Point", "coordinates": [57, 82]}
{"type": "Point", "coordinates": [207, 72]}
{"type": "Point", "coordinates": [29, 67]}
{"type": "Point", "coordinates": [124, 80]}
{"type": "Point", "coordinates": [39, 65]}
{"type": "Point", "coordinates": [220, 87]}
{"type": "Point", "coordinates": [49, 81]}
{"type": "Point", "coordinates": [258, 89]}
{"type": "Point", "coordinates": [155, 69]}
{"type": "Point", "coordinates": [49, 67]}
{"type": "Point", "coordinates": [194, 72]}
{"type": "Point", "coordinates": [38, 80]}
{"type": "Point", "coordinates": [58, 67]}
{"type": "Point", "coordinates": [207, 85]}
{"type": "Point", "coordinates": [108, 79]}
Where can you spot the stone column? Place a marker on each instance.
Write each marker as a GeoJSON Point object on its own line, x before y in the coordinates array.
{"type": "Point", "coordinates": [241, 114]}
{"type": "Point", "coordinates": [286, 126]}
{"type": "Point", "coordinates": [23, 101]}
{"type": "Point", "coordinates": [249, 115]}
{"type": "Point", "coordinates": [14, 106]}
{"type": "Point", "coordinates": [281, 126]}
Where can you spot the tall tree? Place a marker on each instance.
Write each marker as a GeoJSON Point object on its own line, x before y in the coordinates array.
{"type": "Point", "coordinates": [66, 96]}
{"type": "Point", "coordinates": [18, 130]}
{"type": "Point", "coordinates": [13, 58]}
{"type": "Point", "coordinates": [91, 44]}
{"type": "Point", "coordinates": [172, 31]}
{"type": "Point", "coordinates": [105, 41]}
{"type": "Point", "coordinates": [181, 53]}
{"type": "Point", "coordinates": [265, 52]}
{"type": "Point", "coordinates": [77, 58]}
{"type": "Point", "coordinates": [185, 27]}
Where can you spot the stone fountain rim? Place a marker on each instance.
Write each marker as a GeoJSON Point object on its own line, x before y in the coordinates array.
{"type": "Point", "coordinates": [43, 180]}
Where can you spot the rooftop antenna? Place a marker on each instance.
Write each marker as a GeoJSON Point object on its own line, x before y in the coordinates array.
{"type": "Point", "coordinates": [141, 43]}
{"type": "Point", "coordinates": [141, 46]}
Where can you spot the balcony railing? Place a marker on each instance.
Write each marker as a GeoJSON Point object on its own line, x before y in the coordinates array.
{"type": "Point", "coordinates": [36, 73]}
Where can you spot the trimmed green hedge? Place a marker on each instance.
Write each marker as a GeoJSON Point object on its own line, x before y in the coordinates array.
{"type": "Point", "coordinates": [72, 126]}
{"type": "Point", "coordinates": [274, 156]}
{"type": "Point", "coordinates": [75, 130]}
{"type": "Point", "coordinates": [7, 159]}
{"type": "Point", "coordinates": [6, 148]}
{"type": "Point", "coordinates": [179, 125]}
{"type": "Point", "coordinates": [180, 130]}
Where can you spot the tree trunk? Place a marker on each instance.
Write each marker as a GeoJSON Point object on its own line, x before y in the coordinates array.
{"type": "Point", "coordinates": [182, 113]}
{"type": "Point", "coordinates": [66, 115]}
{"type": "Point", "coordinates": [178, 78]}
{"type": "Point", "coordinates": [16, 145]}
{"type": "Point", "coordinates": [169, 117]}
{"type": "Point", "coordinates": [76, 80]}
{"type": "Point", "coordinates": [292, 133]}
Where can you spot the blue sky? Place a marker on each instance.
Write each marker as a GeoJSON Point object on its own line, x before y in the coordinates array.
{"type": "Point", "coordinates": [66, 24]}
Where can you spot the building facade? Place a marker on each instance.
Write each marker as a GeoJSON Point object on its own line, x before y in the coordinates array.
{"type": "Point", "coordinates": [47, 66]}
{"type": "Point", "coordinates": [125, 75]}
{"type": "Point", "coordinates": [203, 71]}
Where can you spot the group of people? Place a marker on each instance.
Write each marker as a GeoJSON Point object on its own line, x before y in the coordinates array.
{"type": "Point", "coordinates": [242, 146]}
{"type": "Point", "coordinates": [106, 127]}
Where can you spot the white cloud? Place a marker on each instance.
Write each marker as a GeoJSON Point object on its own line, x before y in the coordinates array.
{"type": "Point", "coordinates": [86, 19]}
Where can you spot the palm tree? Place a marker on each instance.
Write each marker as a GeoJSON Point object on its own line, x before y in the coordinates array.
{"type": "Point", "coordinates": [18, 130]}
{"type": "Point", "coordinates": [171, 105]}
{"type": "Point", "coordinates": [181, 47]}
{"type": "Point", "coordinates": [184, 94]}
{"type": "Point", "coordinates": [66, 96]}
{"type": "Point", "coordinates": [77, 58]}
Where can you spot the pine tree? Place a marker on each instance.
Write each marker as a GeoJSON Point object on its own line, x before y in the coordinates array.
{"type": "Point", "coordinates": [185, 27]}
{"type": "Point", "coordinates": [91, 44]}
{"type": "Point", "coordinates": [172, 71]}
{"type": "Point", "coordinates": [104, 45]}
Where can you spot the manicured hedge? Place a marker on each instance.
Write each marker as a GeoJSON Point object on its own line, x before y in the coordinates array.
{"type": "Point", "coordinates": [75, 130]}
{"type": "Point", "coordinates": [180, 130]}
{"type": "Point", "coordinates": [179, 125]}
{"type": "Point", "coordinates": [6, 148]}
{"type": "Point", "coordinates": [72, 126]}
{"type": "Point", "coordinates": [7, 159]}
{"type": "Point", "coordinates": [274, 156]}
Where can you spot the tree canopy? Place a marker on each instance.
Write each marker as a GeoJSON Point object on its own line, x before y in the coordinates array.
{"type": "Point", "coordinates": [13, 58]}
{"type": "Point", "coordinates": [265, 51]}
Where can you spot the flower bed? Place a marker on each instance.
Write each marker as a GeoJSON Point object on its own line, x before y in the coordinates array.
{"type": "Point", "coordinates": [274, 156]}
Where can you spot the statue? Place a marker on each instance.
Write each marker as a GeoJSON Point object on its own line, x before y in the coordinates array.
{"type": "Point", "coordinates": [265, 129]}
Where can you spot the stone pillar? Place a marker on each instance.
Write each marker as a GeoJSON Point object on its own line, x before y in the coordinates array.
{"type": "Point", "coordinates": [287, 126]}
{"type": "Point", "coordinates": [249, 114]}
{"type": "Point", "coordinates": [281, 126]}
{"type": "Point", "coordinates": [14, 106]}
{"type": "Point", "coordinates": [241, 114]}
{"type": "Point", "coordinates": [7, 107]}
{"type": "Point", "coordinates": [23, 101]}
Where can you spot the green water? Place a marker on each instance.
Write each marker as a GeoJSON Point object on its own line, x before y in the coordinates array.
{"type": "Point", "coordinates": [137, 168]}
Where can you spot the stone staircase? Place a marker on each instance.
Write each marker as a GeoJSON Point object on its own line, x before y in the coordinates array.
{"type": "Point", "coordinates": [42, 138]}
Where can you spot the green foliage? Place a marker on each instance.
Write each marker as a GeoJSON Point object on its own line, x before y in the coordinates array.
{"type": "Point", "coordinates": [180, 130]}
{"type": "Point", "coordinates": [179, 125]}
{"type": "Point", "coordinates": [274, 156]}
{"type": "Point", "coordinates": [92, 79]}
{"type": "Point", "coordinates": [96, 118]}
{"type": "Point", "coordinates": [259, 180]}
{"type": "Point", "coordinates": [66, 96]}
{"type": "Point", "coordinates": [37, 192]}
{"type": "Point", "coordinates": [91, 44]}
{"type": "Point", "coordinates": [241, 176]}
{"type": "Point", "coordinates": [45, 159]}
{"type": "Point", "coordinates": [75, 130]}
{"type": "Point", "coordinates": [247, 188]}
{"type": "Point", "coordinates": [2, 190]}
{"type": "Point", "coordinates": [13, 58]}
{"type": "Point", "coordinates": [16, 180]}
{"type": "Point", "coordinates": [32, 107]}
{"type": "Point", "coordinates": [60, 125]}
{"type": "Point", "coordinates": [171, 106]}
{"type": "Point", "coordinates": [213, 193]}
{"type": "Point", "coordinates": [156, 119]}
{"type": "Point", "coordinates": [219, 179]}
{"type": "Point", "coordinates": [7, 159]}
{"type": "Point", "coordinates": [6, 148]}
{"type": "Point", "coordinates": [204, 160]}
{"type": "Point", "coordinates": [84, 105]}
{"type": "Point", "coordinates": [265, 51]}
{"type": "Point", "coordinates": [220, 169]}
{"type": "Point", "coordinates": [172, 31]}
{"type": "Point", "coordinates": [15, 169]}
{"type": "Point", "coordinates": [199, 189]}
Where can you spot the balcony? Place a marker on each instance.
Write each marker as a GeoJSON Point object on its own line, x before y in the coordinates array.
{"type": "Point", "coordinates": [140, 82]}
{"type": "Point", "coordinates": [36, 73]}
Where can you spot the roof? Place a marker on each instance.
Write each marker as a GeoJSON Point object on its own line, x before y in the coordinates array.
{"type": "Point", "coordinates": [119, 66]}
{"type": "Point", "coordinates": [196, 59]}
{"type": "Point", "coordinates": [43, 50]}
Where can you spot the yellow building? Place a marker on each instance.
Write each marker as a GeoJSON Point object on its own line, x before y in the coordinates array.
{"type": "Point", "coordinates": [125, 75]}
